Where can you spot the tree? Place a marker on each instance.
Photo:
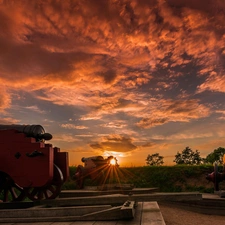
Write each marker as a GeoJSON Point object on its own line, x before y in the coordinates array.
{"type": "Point", "coordinates": [154, 160]}
{"type": "Point", "coordinates": [216, 156]}
{"type": "Point", "coordinates": [189, 157]}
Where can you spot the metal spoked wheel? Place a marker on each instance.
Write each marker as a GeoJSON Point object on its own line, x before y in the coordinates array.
{"type": "Point", "coordinates": [9, 190]}
{"type": "Point", "coordinates": [50, 191]}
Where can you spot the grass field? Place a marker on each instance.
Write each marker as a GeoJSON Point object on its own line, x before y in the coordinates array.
{"type": "Point", "coordinates": [166, 178]}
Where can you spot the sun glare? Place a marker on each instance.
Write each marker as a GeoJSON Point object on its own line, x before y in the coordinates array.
{"type": "Point", "coordinates": [113, 161]}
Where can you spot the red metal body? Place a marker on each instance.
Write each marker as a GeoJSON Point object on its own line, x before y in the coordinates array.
{"type": "Point", "coordinates": [217, 177]}
{"type": "Point", "coordinates": [31, 163]}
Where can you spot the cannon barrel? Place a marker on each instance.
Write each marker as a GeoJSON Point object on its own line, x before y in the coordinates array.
{"type": "Point", "coordinates": [35, 131]}
{"type": "Point", "coordinates": [84, 159]}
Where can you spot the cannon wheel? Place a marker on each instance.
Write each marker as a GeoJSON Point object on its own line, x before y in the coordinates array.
{"type": "Point", "coordinates": [9, 190]}
{"type": "Point", "coordinates": [50, 191]}
{"type": "Point", "coordinates": [216, 178]}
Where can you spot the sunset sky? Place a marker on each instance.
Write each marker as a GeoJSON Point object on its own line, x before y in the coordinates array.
{"type": "Point", "coordinates": [121, 77]}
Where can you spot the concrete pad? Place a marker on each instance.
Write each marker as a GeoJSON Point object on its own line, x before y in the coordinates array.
{"type": "Point", "coordinates": [142, 213]}
{"type": "Point", "coordinates": [66, 214]}
{"type": "Point", "coordinates": [91, 192]}
{"type": "Point", "coordinates": [119, 199]}
{"type": "Point", "coordinates": [151, 214]}
{"type": "Point", "coordinates": [51, 212]}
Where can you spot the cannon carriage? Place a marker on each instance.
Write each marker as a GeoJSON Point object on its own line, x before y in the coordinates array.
{"type": "Point", "coordinates": [30, 167]}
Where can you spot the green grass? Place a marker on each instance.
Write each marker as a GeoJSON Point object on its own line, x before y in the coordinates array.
{"type": "Point", "coordinates": [167, 178]}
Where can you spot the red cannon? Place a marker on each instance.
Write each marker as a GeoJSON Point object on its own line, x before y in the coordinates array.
{"type": "Point", "coordinates": [29, 167]}
{"type": "Point", "coordinates": [217, 177]}
{"type": "Point", "coordinates": [97, 168]}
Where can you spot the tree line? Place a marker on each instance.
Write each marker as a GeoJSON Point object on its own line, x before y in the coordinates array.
{"type": "Point", "coordinates": [188, 157]}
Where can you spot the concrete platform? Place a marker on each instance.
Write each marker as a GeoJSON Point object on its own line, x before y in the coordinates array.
{"type": "Point", "coordinates": [93, 191]}
{"type": "Point", "coordinates": [71, 210]}
{"type": "Point", "coordinates": [117, 199]}
{"type": "Point", "coordinates": [146, 213]}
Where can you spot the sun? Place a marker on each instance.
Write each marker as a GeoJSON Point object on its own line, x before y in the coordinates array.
{"type": "Point", "coordinates": [113, 162]}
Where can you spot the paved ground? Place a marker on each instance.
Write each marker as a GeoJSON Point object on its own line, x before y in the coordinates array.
{"type": "Point", "coordinates": [175, 216]}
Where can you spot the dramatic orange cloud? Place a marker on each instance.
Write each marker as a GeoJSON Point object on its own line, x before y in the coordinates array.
{"type": "Point", "coordinates": [116, 76]}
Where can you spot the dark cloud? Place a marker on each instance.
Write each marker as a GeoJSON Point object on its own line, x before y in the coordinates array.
{"type": "Point", "coordinates": [148, 144]}
{"type": "Point", "coordinates": [96, 146]}
{"type": "Point", "coordinates": [148, 122]}
{"type": "Point", "coordinates": [174, 110]}
{"type": "Point", "coordinates": [109, 76]}
{"type": "Point", "coordinates": [22, 59]}
{"type": "Point", "coordinates": [115, 143]}
{"type": "Point", "coordinates": [180, 106]}
{"type": "Point", "coordinates": [208, 6]}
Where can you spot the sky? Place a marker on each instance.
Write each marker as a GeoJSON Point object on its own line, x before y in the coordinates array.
{"type": "Point", "coordinates": [116, 77]}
